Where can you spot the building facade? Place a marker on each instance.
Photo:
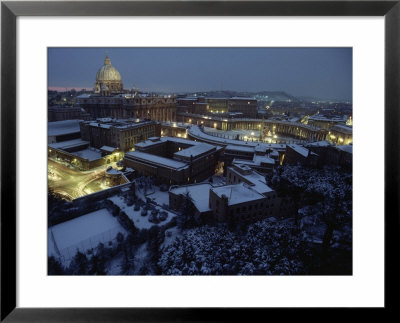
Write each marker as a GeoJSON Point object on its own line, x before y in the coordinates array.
{"type": "Point", "coordinates": [60, 113]}
{"type": "Point", "coordinates": [120, 134]}
{"type": "Point", "coordinates": [123, 106]}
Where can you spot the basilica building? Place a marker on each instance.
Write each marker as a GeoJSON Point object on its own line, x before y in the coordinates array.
{"type": "Point", "coordinates": [111, 100]}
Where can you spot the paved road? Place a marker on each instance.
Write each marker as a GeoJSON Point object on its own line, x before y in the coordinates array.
{"type": "Point", "coordinates": [71, 183]}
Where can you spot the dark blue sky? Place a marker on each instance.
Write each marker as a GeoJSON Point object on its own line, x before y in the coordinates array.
{"type": "Point", "coordinates": [325, 73]}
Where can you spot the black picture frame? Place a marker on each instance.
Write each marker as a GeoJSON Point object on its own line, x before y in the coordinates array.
{"type": "Point", "coordinates": [10, 10]}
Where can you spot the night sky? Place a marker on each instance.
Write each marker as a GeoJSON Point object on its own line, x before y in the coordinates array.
{"type": "Point", "coordinates": [325, 73]}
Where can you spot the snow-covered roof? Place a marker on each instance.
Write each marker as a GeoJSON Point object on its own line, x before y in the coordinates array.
{"type": "Point", "coordinates": [181, 140]}
{"type": "Point", "coordinates": [104, 119]}
{"type": "Point", "coordinates": [274, 153]}
{"type": "Point", "coordinates": [198, 193]}
{"type": "Point", "coordinates": [261, 148]}
{"type": "Point", "coordinates": [188, 99]}
{"type": "Point", "coordinates": [101, 125]}
{"type": "Point", "coordinates": [195, 150]}
{"type": "Point", "coordinates": [147, 143]}
{"type": "Point", "coordinates": [242, 98]}
{"type": "Point", "coordinates": [240, 148]}
{"type": "Point", "coordinates": [89, 153]}
{"type": "Point", "coordinates": [259, 183]}
{"type": "Point", "coordinates": [325, 118]}
{"type": "Point", "coordinates": [107, 123]}
{"type": "Point", "coordinates": [156, 160]}
{"type": "Point", "coordinates": [64, 127]}
{"type": "Point", "coordinates": [69, 144]}
{"type": "Point", "coordinates": [347, 148]}
{"type": "Point", "coordinates": [299, 149]}
{"type": "Point", "coordinates": [196, 132]}
{"type": "Point", "coordinates": [237, 193]}
{"type": "Point", "coordinates": [108, 149]}
{"type": "Point", "coordinates": [257, 161]}
{"type": "Point", "coordinates": [240, 162]}
{"type": "Point", "coordinates": [263, 160]}
{"type": "Point", "coordinates": [323, 143]}
{"type": "Point", "coordinates": [342, 128]}
{"type": "Point", "coordinates": [294, 119]}
{"type": "Point", "coordinates": [255, 180]}
{"type": "Point", "coordinates": [113, 171]}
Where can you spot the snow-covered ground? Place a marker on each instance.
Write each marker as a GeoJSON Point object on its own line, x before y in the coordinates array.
{"type": "Point", "coordinates": [159, 197]}
{"type": "Point", "coordinates": [141, 222]}
{"type": "Point", "coordinates": [82, 233]}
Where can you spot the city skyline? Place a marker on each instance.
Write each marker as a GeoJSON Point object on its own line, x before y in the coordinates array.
{"type": "Point", "coordinates": [248, 182]}
{"type": "Point", "coordinates": [323, 73]}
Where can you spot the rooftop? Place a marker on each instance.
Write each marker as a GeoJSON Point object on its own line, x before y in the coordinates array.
{"type": "Point", "coordinates": [348, 148]}
{"type": "Point", "coordinates": [248, 149]}
{"type": "Point", "coordinates": [325, 118]}
{"type": "Point", "coordinates": [148, 143]}
{"type": "Point", "coordinates": [343, 128]}
{"type": "Point", "coordinates": [69, 144]}
{"type": "Point", "coordinates": [242, 98]}
{"type": "Point", "coordinates": [199, 194]}
{"type": "Point", "coordinates": [108, 149]}
{"type": "Point", "coordinates": [195, 150]}
{"type": "Point", "coordinates": [323, 143]}
{"type": "Point", "coordinates": [196, 132]}
{"type": "Point", "coordinates": [263, 160]}
{"type": "Point", "coordinates": [64, 127]}
{"type": "Point", "coordinates": [89, 153]}
{"type": "Point", "coordinates": [156, 160]}
{"type": "Point", "coordinates": [299, 149]}
{"type": "Point", "coordinates": [256, 180]}
{"type": "Point", "coordinates": [237, 193]}
{"type": "Point", "coordinates": [107, 123]}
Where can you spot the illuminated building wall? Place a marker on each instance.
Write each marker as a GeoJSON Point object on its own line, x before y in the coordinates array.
{"type": "Point", "coordinates": [124, 106]}
{"type": "Point", "coordinates": [119, 134]}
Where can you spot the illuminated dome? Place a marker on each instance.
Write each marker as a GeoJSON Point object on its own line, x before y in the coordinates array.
{"type": "Point", "coordinates": [108, 79]}
{"type": "Point", "coordinates": [107, 72]}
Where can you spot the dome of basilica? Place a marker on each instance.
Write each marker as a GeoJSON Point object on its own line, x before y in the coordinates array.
{"type": "Point", "coordinates": [108, 80]}
{"type": "Point", "coordinates": [107, 72]}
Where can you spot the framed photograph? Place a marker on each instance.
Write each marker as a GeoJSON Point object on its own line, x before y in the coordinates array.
{"type": "Point", "coordinates": [195, 156]}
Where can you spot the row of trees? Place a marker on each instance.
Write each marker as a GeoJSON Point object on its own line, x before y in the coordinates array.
{"type": "Point", "coordinates": [266, 248]}
{"type": "Point", "coordinates": [326, 196]}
